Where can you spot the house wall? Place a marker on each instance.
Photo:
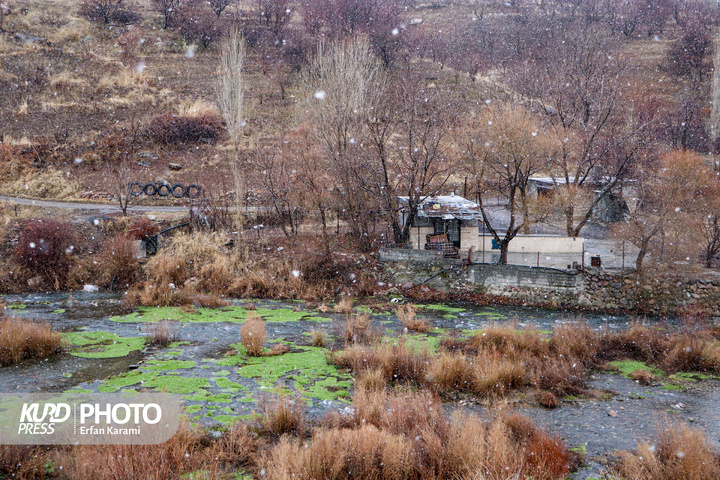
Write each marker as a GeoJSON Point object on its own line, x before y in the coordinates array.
{"type": "Point", "coordinates": [526, 243]}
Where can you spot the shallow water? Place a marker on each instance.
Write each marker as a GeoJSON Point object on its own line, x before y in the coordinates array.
{"type": "Point", "coordinates": [217, 388]}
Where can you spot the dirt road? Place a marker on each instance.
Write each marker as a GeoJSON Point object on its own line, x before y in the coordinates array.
{"type": "Point", "coordinates": [99, 207]}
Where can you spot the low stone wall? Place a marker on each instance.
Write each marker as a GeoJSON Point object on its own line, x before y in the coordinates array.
{"type": "Point", "coordinates": [592, 289]}
{"type": "Point", "coordinates": [427, 267]}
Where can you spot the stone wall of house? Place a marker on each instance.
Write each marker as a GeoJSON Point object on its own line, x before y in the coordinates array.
{"type": "Point", "coordinates": [591, 290]}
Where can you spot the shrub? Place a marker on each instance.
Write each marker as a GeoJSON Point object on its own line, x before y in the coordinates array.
{"type": "Point", "coordinates": [170, 129]}
{"type": "Point", "coordinates": [643, 377]}
{"type": "Point", "coordinates": [22, 339]}
{"type": "Point", "coordinates": [163, 333]}
{"type": "Point", "coordinates": [283, 415]}
{"type": "Point", "coordinates": [119, 259]}
{"type": "Point", "coordinates": [345, 305]}
{"type": "Point", "coordinates": [318, 338]}
{"type": "Point", "coordinates": [680, 453]}
{"type": "Point", "coordinates": [359, 330]}
{"type": "Point", "coordinates": [142, 228]}
{"type": "Point", "coordinates": [44, 247]}
{"type": "Point", "coordinates": [253, 334]}
{"type": "Point", "coordinates": [407, 315]}
{"type": "Point", "coordinates": [548, 400]}
{"type": "Point", "coordinates": [179, 456]}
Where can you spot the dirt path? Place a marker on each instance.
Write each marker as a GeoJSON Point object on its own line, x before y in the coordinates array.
{"type": "Point", "coordinates": [100, 207]}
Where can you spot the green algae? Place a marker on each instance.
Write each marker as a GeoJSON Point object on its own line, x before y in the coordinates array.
{"type": "Point", "coordinates": [130, 378]}
{"type": "Point", "coordinates": [218, 373]}
{"type": "Point", "coordinates": [307, 369]}
{"type": "Point", "coordinates": [627, 367]}
{"type": "Point", "coordinates": [58, 311]}
{"type": "Point", "coordinates": [232, 314]}
{"type": "Point", "coordinates": [193, 408]}
{"type": "Point", "coordinates": [442, 308]}
{"type": "Point", "coordinates": [16, 306]}
{"type": "Point", "coordinates": [101, 344]}
{"type": "Point", "coordinates": [228, 384]}
{"type": "Point", "coordinates": [177, 383]}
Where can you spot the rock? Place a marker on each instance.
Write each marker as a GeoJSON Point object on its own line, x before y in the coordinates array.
{"type": "Point", "coordinates": [26, 38]}
{"type": "Point", "coordinates": [175, 166]}
{"type": "Point", "coordinates": [150, 155]}
{"type": "Point", "coordinates": [91, 288]}
{"type": "Point", "coordinates": [144, 162]}
{"type": "Point", "coordinates": [416, 21]}
{"type": "Point", "coordinates": [612, 413]}
{"type": "Point", "coordinates": [35, 282]}
{"type": "Point", "coordinates": [133, 367]}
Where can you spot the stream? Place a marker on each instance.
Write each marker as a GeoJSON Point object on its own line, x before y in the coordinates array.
{"type": "Point", "coordinates": [105, 352]}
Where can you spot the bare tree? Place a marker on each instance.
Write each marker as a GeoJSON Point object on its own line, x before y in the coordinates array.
{"type": "Point", "coordinates": [342, 78]}
{"type": "Point", "coordinates": [507, 148]}
{"type": "Point", "coordinates": [99, 9]}
{"type": "Point", "coordinates": [671, 197]}
{"type": "Point", "coordinates": [168, 9]}
{"type": "Point", "coordinates": [219, 6]}
{"type": "Point", "coordinates": [409, 132]}
{"type": "Point", "coordinates": [578, 90]}
{"type": "Point", "coordinates": [230, 91]}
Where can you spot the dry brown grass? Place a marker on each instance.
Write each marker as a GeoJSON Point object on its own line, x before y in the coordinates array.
{"type": "Point", "coordinates": [23, 339]}
{"type": "Point", "coordinates": [318, 338]}
{"type": "Point", "coordinates": [253, 334]}
{"type": "Point", "coordinates": [163, 333]}
{"type": "Point", "coordinates": [359, 329]}
{"type": "Point", "coordinates": [120, 262]}
{"type": "Point", "coordinates": [407, 314]}
{"type": "Point", "coordinates": [345, 305]}
{"type": "Point", "coordinates": [643, 377]}
{"type": "Point", "coordinates": [178, 456]}
{"type": "Point", "coordinates": [283, 415]}
{"type": "Point", "coordinates": [406, 435]}
{"type": "Point", "coordinates": [680, 454]}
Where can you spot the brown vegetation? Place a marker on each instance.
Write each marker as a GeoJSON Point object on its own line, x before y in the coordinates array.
{"type": "Point", "coordinates": [499, 359]}
{"type": "Point", "coordinates": [253, 334]}
{"type": "Point", "coordinates": [23, 339]}
{"type": "Point", "coordinates": [407, 314]}
{"type": "Point", "coordinates": [163, 333]}
{"type": "Point", "coordinates": [680, 453]}
{"type": "Point", "coordinates": [359, 329]}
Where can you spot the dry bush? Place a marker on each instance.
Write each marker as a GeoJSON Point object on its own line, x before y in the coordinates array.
{"type": "Point", "coordinates": [179, 456]}
{"type": "Point", "coordinates": [253, 334]}
{"type": "Point", "coordinates": [345, 305]}
{"type": "Point", "coordinates": [21, 462]}
{"type": "Point", "coordinates": [161, 295]}
{"type": "Point", "coordinates": [43, 183]}
{"type": "Point", "coordinates": [358, 329]}
{"type": "Point", "coordinates": [282, 415]}
{"type": "Point", "coordinates": [237, 447]}
{"type": "Point", "coordinates": [209, 300]}
{"type": "Point", "coordinates": [643, 377]}
{"type": "Point", "coordinates": [44, 247]}
{"type": "Point", "coordinates": [407, 314]}
{"type": "Point", "coordinates": [548, 400]}
{"type": "Point", "coordinates": [120, 261]}
{"type": "Point", "coordinates": [406, 435]}
{"type": "Point", "coordinates": [399, 363]}
{"type": "Point", "coordinates": [167, 267]}
{"type": "Point", "coordinates": [142, 228]}
{"type": "Point", "coordinates": [370, 380]}
{"type": "Point", "coordinates": [681, 453]}
{"type": "Point", "coordinates": [171, 129]}
{"type": "Point", "coordinates": [22, 339]}
{"type": "Point", "coordinates": [163, 333]}
{"type": "Point", "coordinates": [318, 338]}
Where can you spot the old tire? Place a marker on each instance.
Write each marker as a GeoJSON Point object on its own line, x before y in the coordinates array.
{"type": "Point", "coordinates": [135, 189]}
{"type": "Point", "coordinates": [150, 189]}
{"type": "Point", "coordinates": [193, 191]}
{"type": "Point", "coordinates": [178, 190]}
{"type": "Point", "coordinates": [163, 190]}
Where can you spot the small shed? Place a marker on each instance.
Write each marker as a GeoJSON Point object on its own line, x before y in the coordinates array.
{"type": "Point", "coordinates": [450, 218]}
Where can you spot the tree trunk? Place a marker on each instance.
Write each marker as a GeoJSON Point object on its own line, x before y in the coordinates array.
{"type": "Point", "coordinates": [504, 244]}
